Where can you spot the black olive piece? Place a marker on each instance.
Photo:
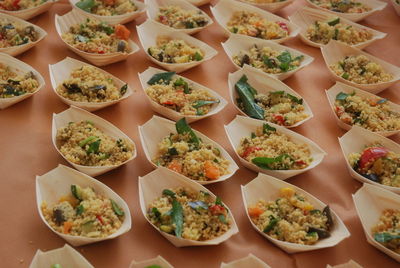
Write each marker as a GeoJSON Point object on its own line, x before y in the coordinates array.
{"type": "Point", "coordinates": [58, 216]}
{"type": "Point", "coordinates": [100, 95]}
{"type": "Point", "coordinates": [327, 212]}
{"type": "Point", "coordinates": [72, 88]}
{"type": "Point", "coordinates": [13, 82]}
{"type": "Point", "coordinates": [245, 60]}
{"type": "Point", "coordinates": [160, 56]}
{"type": "Point", "coordinates": [321, 232]}
{"type": "Point", "coordinates": [121, 46]}
{"type": "Point", "coordinates": [372, 177]}
{"type": "Point", "coordinates": [98, 87]}
{"type": "Point", "coordinates": [201, 23]}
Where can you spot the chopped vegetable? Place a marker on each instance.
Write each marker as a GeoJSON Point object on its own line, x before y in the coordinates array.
{"type": "Point", "coordinates": [265, 162]}
{"type": "Point", "coordinates": [370, 155]}
{"type": "Point", "coordinates": [201, 103]}
{"type": "Point", "coordinates": [182, 127]}
{"type": "Point", "coordinates": [212, 172]}
{"type": "Point", "coordinates": [198, 205]}
{"type": "Point", "coordinates": [267, 128]}
{"type": "Point", "coordinates": [94, 147]}
{"type": "Point", "coordinates": [122, 32]}
{"type": "Point", "coordinates": [164, 78]}
{"type": "Point", "coordinates": [86, 5]}
{"type": "Point", "coordinates": [385, 237]}
{"type": "Point", "coordinates": [117, 209]}
{"type": "Point", "coordinates": [334, 22]}
{"type": "Point", "coordinates": [177, 217]}
{"type": "Point", "coordinates": [76, 191]}
{"type": "Point", "coordinates": [87, 140]}
{"type": "Point", "coordinates": [255, 212]}
{"type": "Point", "coordinates": [67, 227]}
{"type": "Point", "coordinates": [246, 94]}
{"type": "Point", "coordinates": [168, 193]}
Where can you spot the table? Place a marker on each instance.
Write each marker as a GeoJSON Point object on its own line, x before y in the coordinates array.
{"type": "Point", "coordinates": [26, 150]}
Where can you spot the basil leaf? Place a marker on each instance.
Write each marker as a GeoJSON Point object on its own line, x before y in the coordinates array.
{"type": "Point", "coordinates": [177, 217]}
{"type": "Point", "coordinates": [284, 66]}
{"type": "Point", "coordinates": [264, 162]}
{"type": "Point", "coordinates": [253, 135]}
{"type": "Point", "coordinates": [267, 128]}
{"type": "Point", "coordinates": [334, 22]}
{"type": "Point", "coordinates": [218, 201]}
{"type": "Point", "coordinates": [156, 213]}
{"type": "Point", "coordinates": [246, 95]}
{"type": "Point", "coordinates": [79, 210]}
{"type": "Point", "coordinates": [201, 103]}
{"type": "Point", "coordinates": [107, 28]}
{"type": "Point", "coordinates": [94, 147]}
{"type": "Point", "coordinates": [269, 62]}
{"type": "Point", "coordinates": [161, 78]}
{"type": "Point", "coordinates": [168, 192]}
{"type": "Point", "coordinates": [117, 210]}
{"type": "Point", "coordinates": [86, 5]}
{"type": "Point", "coordinates": [285, 57]}
{"type": "Point", "coordinates": [294, 99]}
{"type": "Point", "coordinates": [181, 82]}
{"type": "Point", "coordinates": [198, 204]}
{"type": "Point", "coordinates": [336, 34]}
{"type": "Point", "coordinates": [342, 96]}
{"type": "Point", "coordinates": [385, 237]}
{"type": "Point", "coordinates": [197, 56]}
{"type": "Point", "coordinates": [123, 89]}
{"type": "Point", "coordinates": [222, 218]}
{"type": "Point", "coordinates": [182, 127]}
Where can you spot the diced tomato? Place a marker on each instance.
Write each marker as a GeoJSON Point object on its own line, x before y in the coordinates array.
{"type": "Point", "coordinates": [168, 103]}
{"type": "Point", "coordinates": [101, 51]}
{"type": "Point", "coordinates": [300, 162]}
{"type": "Point", "coordinates": [163, 19]}
{"type": "Point", "coordinates": [370, 155]}
{"type": "Point", "coordinates": [100, 219]}
{"type": "Point", "coordinates": [109, 2]}
{"type": "Point", "coordinates": [339, 110]}
{"type": "Point", "coordinates": [217, 209]}
{"type": "Point", "coordinates": [283, 25]}
{"type": "Point", "coordinates": [255, 212]}
{"type": "Point", "coordinates": [279, 119]}
{"type": "Point", "coordinates": [15, 4]}
{"type": "Point", "coordinates": [249, 150]}
{"type": "Point", "coordinates": [122, 32]}
{"type": "Point", "coordinates": [67, 226]}
{"type": "Point", "coordinates": [175, 166]}
{"type": "Point", "coordinates": [211, 171]}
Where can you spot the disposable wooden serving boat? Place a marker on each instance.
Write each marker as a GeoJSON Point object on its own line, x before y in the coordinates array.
{"type": "Point", "coordinates": [172, 114]}
{"type": "Point", "coordinates": [263, 84]}
{"type": "Point", "coordinates": [16, 50]}
{"type": "Point", "coordinates": [271, 7]}
{"type": "Point", "coordinates": [150, 30]}
{"type": "Point", "coordinates": [305, 16]}
{"type": "Point", "coordinates": [21, 68]}
{"type": "Point", "coordinates": [56, 183]}
{"type": "Point", "coordinates": [349, 264]}
{"type": "Point", "coordinates": [154, 6]}
{"type": "Point", "coordinates": [237, 43]}
{"type": "Point", "coordinates": [335, 51]}
{"type": "Point", "coordinates": [340, 87]}
{"type": "Point", "coordinates": [29, 13]}
{"type": "Point", "coordinates": [370, 201]}
{"type": "Point", "coordinates": [355, 140]}
{"type": "Point", "coordinates": [151, 187]}
{"type": "Point", "coordinates": [66, 256]}
{"type": "Point", "coordinates": [153, 131]}
{"type": "Point", "coordinates": [246, 262]}
{"type": "Point", "coordinates": [115, 19]}
{"type": "Point", "coordinates": [75, 114]}
{"type": "Point", "coordinates": [198, 3]}
{"type": "Point", "coordinates": [374, 4]}
{"type": "Point", "coordinates": [224, 10]}
{"type": "Point", "coordinates": [396, 6]}
{"type": "Point", "coordinates": [63, 24]}
{"type": "Point", "coordinates": [160, 261]}
{"type": "Point", "coordinates": [241, 127]}
{"type": "Point", "coordinates": [61, 71]}
{"type": "Point", "coordinates": [267, 188]}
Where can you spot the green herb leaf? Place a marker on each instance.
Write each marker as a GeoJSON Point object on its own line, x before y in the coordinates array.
{"type": "Point", "coordinates": [156, 212]}
{"type": "Point", "coordinates": [334, 22]}
{"type": "Point", "coordinates": [285, 57]}
{"type": "Point", "coordinates": [265, 162]}
{"type": "Point", "coordinates": [294, 98]}
{"type": "Point", "coordinates": [182, 127]}
{"type": "Point", "coordinates": [267, 128]}
{"type": "Point", "coordinates": [107, 28]}
{"type": "Point", "coordinates": [123, 89]}
{"type": "Point", "coordinates": [345, 75]}
{"type": "Point", "coordinates": [181, 82]}
{"type": "Point", "coordinates": [271, 225]}
{"type": "Point", "coordinates": [79, 210]}
{"type": "Point", "coordinates": [87, 140]}
{"type": "Point", "coordinates": [177, 217]}
{"type": "Point", "coordinates": [168, 193]}
{"type": "Point", "coordinates": [172, 151]}
{"type": "Point", "coordinates": [222, 218]}
{"type": "Point", "coordinates": [218, 201]}
{"type": "Point", "coordinates": [86, 5]}
{"type": "Point", "coordinates": [161, 78]}
{"type": "Point", "coordinates": [336, 34]}
{"type": "Point", "coordinates": [385, 237]}
{"type": "Point", "coordinates": [253, 135]}
{"type": "Point", "coordinates": [116, 208]}
{"type": "Point", "coordinates": [76, 192]}
{"type": "Point", "coordinates": [246, 95]}
{"type": "Point", "coordinates": [94, 147]}
{"type": "Point", "coordinates": [269, 62]}
{"type": "Point", "coordinates": [342, 96]}
{"type": "Point", "coordinates": [201, 103]}
{"type": "Point", "coordinates": [280, 92]}
{"type": "Point", "coordinates": [315, 211]}
{"type": "Point", "coordinates": [197, 56]}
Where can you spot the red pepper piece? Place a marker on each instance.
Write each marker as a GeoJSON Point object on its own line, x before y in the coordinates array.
{"type": "Point", "coordinates": [279, 119]}
{"type": "Point", "coordinates": [249, 150]}
{"type": "Point", "coordinates": [217, 209]}
{"type": "Point", "coordinates": [283, 25]}
{"type": "Point", "coordinates": [370, 155]}
{"type": "Point", "coordinates": [100, 219]}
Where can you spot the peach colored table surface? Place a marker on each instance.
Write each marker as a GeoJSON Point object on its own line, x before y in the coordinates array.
{"type": "Point", "coordinates": [26, 151]}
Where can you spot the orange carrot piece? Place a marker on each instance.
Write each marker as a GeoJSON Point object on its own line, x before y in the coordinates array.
{"type": "Point", "coordinates": [255, 212]}
{"type": "Point", "coordinates": [122, 32]}
{"type": "Point", "coordinates": [175, 166]}
{"type": "Point", "coordinates": [211, 171]}
{"type": "Point", "coordinates": [67, 227]}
